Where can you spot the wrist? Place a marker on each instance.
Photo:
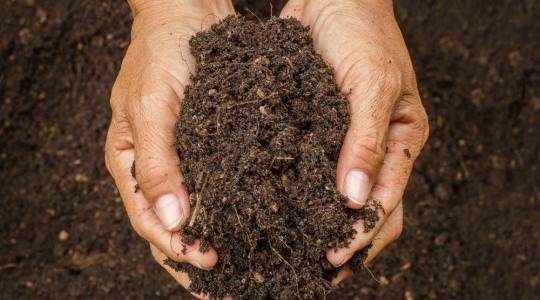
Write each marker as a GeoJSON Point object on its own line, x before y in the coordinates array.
{"type": "Point", "coordinates": [137, 6]}
{"type": "Point", "coordinates": [175, 6]}
{"type": "Point", "coordinates": [190, 14]}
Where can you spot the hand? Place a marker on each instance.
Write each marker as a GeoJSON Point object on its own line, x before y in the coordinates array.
{"type": "Point", "coordinates": [362, 42]}
{"type": "Point", "coordinates": [145, 102]}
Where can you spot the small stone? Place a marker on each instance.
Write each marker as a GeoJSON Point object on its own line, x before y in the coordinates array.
{"type": "Point", "coordinates": [396, 276]}
{"type": "Point", "coordinates": [442, 191]}
{"type": "Point", "coordinates": [258, 277]}
{"type": "Point", "coordinates": [477, 97]}
{"type": "Point", "coordinates": [260, 93]}
{"type": "Point", "coordinates": [285, 180]}
{"type": "Point", "coordinates": [81, 178]}
{"type": "Point", "coordinates": [41, 15]}
{"type": "Point", "coordinates": [406, 266]}
{"type": "Point", "coordinates": [515, 58]}
{"type": "Point", "coordinates": [274, 207]}
{"type": "Point", "coordinates": [440, 121]}
{"type": "Point", "coordinates": [533, 281]}
{"type": "Point", "coordinates": [409, 295]}
{"type": "Point", "coordinates": [29, 284]}
{"type": "Point", "coordinates": [483, 60]}
{"type": "Point", "coordinates": [521, 257]}
{"type": "Point", "coordinates": [440, 240]}
{"type": "Point", "coordinates": [263, 110]}
{"type": "Point", "coordinates": [212, 92]}
{"type": "Point", "coordinates": [63, 235]}
{"type": "Point", "coordinates": [384, 281]}
{"type": "Point", "coordinates": [25, 36]}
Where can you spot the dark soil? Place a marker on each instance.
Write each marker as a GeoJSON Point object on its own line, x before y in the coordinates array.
{"type": "Point", "coordinates": [471, 209]}
{"type": "Point", "coordinates": [259, 135]}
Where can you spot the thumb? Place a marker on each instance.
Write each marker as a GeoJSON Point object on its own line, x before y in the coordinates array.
{"type": "Point", "coordinates": [154, 110]}
{"type": "Point", "coordinates": [371, 102]}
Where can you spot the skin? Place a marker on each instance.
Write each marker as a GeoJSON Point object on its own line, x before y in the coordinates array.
{"type": "Point", "coordinates": [360, 40]}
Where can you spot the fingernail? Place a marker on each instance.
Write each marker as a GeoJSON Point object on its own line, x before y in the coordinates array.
{"type": "Point", "coordinates": [169, 211]}
{"type": "Point", "coordinates": [344, 260]}
{"type": "Point", "coordinates": [357, 186]}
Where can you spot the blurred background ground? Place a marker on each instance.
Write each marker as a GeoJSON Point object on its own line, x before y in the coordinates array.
{"type": "Point", "coordinates": [472, 226]}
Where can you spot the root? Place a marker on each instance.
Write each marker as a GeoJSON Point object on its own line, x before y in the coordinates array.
{"type": "Point", "coordinates": [280, 158]}
{"type": "Point", "coordinates": [290, 266]}
{"type": "Point", "coordinates": [242, 226]}
{"type": "Point", "coordinates": [254, 15]}
{"type": "Point", "coordinates": [371, 273]}
{"type": "Point", "coordinates": [253, 101]}
{"type": "Point", "coordinates": [197, 204]}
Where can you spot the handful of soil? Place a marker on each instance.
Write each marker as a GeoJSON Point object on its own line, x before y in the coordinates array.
{"type": "Point", "coordinates": [259, 137]}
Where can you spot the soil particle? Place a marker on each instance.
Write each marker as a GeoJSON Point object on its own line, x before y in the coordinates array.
{"type": "Point", "coordinates": [263, 123]}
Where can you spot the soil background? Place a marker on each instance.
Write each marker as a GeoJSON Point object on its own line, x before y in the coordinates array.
{"type": "Point", "coordinates": [472, 208]}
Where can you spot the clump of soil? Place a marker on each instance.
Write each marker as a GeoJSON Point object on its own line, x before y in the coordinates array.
{"type": "Point", "coordinates": [259, 136]}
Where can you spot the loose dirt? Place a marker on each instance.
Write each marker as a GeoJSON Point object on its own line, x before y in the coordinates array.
{"type": "Point", "coordinates": [259, 135]}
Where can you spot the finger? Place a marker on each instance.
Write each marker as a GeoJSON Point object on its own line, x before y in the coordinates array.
{"type": "Point", "coordinates": [371, 104]}
{"type": "Point", "coordinates": [343, 274]}
{"type": "Point", "coordinates": [180, 277]}
{"type": "Point", "coordinates": [294, 9]}
{"type": "Point", "coordinates": [390, 231]}
{"type": "Point", "coordinates": [153, 112]}
{"type": "Point", "coordinates": [407, 134]}
{"type": "Point", "coordinates": [143, 218]}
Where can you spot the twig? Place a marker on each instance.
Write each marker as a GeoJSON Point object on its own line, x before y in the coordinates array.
{"type": "Point", "coordinates": [197, 204]}
{"type": "Point", "coordinates": [254, 15]}
{"type": "Point", "coordinates": [8, 266]}
{"type": "Point", "coordinates": [217, 121]}
{"type": "Point", "coordinates": [281, 239]}
{"type": "Point", "coordinates": [370, 273]}
{"type": "Point", "coordinates": [290, 266]}
{"type": "Point", "coordinates": [280, 158]}
{"type": "Point", "coordinates": [253, 101]}
{"type": "Point", "coordinates": [242, 226]}
{"type": "Point", "coordinates": [289, 61]}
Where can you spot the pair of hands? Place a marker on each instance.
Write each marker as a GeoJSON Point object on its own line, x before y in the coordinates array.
{"type": "Point", "coordinates": [359, 39]}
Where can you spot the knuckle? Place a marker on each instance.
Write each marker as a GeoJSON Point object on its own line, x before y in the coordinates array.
{"type": "Point", "coordinates": [420, 125]}
{"type": "Point", "coordinates": [368, 149]}
{"type": "Point", "coordinates": [118, 93]}
{"type": "Point", "coordinates": [425, 127]}
{"type": "Point", "coordinates": [375, 78]}
{"type": "Point", "coordinates": [387, 78]}
{"type": "Point", "coordinates": [107, 154]}
{"type": "Point", "coordinates": [151, 174]}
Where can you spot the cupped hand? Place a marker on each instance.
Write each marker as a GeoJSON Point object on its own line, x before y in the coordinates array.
{"type": "Point", "coordinates": [145, 101]}
{"type": "Point", "coordinates": [362, 43]}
